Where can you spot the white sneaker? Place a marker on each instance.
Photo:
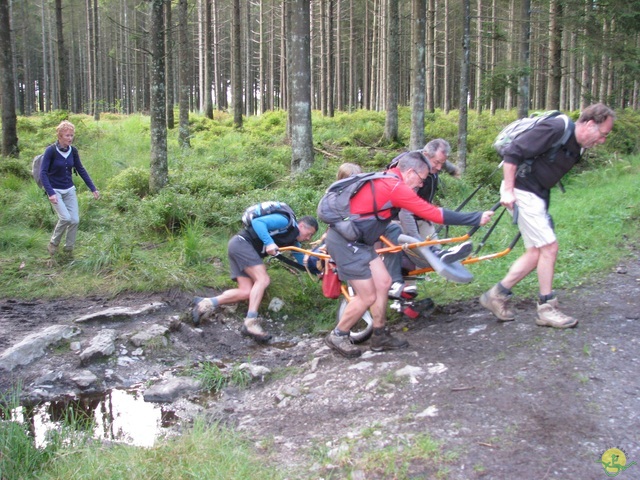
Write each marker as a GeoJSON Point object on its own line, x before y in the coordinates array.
{"type": "Point", "coordinates": [395, 291]}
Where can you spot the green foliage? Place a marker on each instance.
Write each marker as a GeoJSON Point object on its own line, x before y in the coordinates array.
{"type": "Point", "coordinates": [14, 167]}
{"type": "Point", "coordinates": [132, 180]}
{"type": "Point", "coordinates": [213, 379]}
{"type": "Point", "coordinates": [206, 450]}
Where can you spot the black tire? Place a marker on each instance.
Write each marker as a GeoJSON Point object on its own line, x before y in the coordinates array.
{"type": "Point", "coordinates": [361, 331]}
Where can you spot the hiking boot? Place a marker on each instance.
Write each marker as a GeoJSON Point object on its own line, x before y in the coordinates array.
{"type": "Point", "coordinates": [342, 344]}
{"type": "Point", "coordinates": [202, 308]}
{"type": "Point", "coordinates": [68, 252]}
{"type": "Point", "coordinates": [550, 316]}
{"type": "Point", "coordinates": [52, 249]}
{"type": "Point", "coordinates": [386, 341]}
{"type": "Point", "coordinates": [455, 254]}
{"type": "Point", "coordinates": [496, 303]}
{"type": "Point", "coordinates": [253, 329]}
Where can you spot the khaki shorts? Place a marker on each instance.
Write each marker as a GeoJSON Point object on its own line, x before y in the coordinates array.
{"type": "Point", "coordinates": [534, 221]}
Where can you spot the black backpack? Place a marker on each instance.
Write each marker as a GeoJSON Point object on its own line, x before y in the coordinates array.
{"type": "Point", "coordinates": [334, 207]}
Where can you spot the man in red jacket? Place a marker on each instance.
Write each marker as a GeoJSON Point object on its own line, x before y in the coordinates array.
{"type": "Point", "coordinates": [359, 264]}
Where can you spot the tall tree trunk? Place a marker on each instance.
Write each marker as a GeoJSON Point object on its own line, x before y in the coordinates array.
{"type": "Point", "coordinates": [523, 84]}
{"type": "Point", "coordinates": [393, 76]}
{"type": "Point", "coordinates": [169, 64]}
{"type": "Point", "coordinates": [97, 90]}
{"type": "Point", "coordinates": [418, 66]}
{"type": "Point", "coordinates": [555, 55]}
{"type": "Point", "coordinates": [330, 61]}
{"type": "Point", "coordinates": [249, 100]}
{"type": "Point", "coordinates": [202, 52]}
{"type": "Point", "coordinates": [494, 54]}
{"type": "Point", "coordinates": [447, 61]}
{"type": "Point", "coordinates": [300, 81]}
{"type": "Point", "coordinates": [221, 85]}
{"type": "Point", "coordinates": [236, 65]}
{"type": "Point", "coordinates": [479, 60]}
{"type": "Point", "coordinates": [9, 118]}
{"type": "Point", "coordinates": [324, 61]}
{"type": "Point", "coordinates": [574, 97]}
{"type": "Point", "coordinates": [340, 91]}
{"type": "Point", "coordinates": [158, 171]}
{"type": "Point", "coordinates": [284, 31]}
{"type": "Point", "coordinates": [44, 92]}
{"type": "Point", "coordinates": [208, 61]}
{"type": "Point", "coordinates": [367, 57]}
{"type": "Point", "coordinates": [464, 86]}
{"type": "Point", "coordinates": [604, 65]}
{"type": "Point", "coordinates": [351, 98]}
{"type": "Point", "coordinates": [262, 74]}
{"type": "Point", "coordinates": [184, 73]}
{"type": "Point", "coordinates": [511, 54]}
{"type": "Point", "coordinates": [62, 59]}
{"type": "Point", "coordinates": [431, 55]}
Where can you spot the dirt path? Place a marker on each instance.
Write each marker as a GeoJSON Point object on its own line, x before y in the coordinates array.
{"type": "Point", "coordinates": [504, 400]}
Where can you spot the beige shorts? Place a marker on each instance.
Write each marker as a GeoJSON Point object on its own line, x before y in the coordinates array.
{"type": "Point", "coordinates": [534, 221]}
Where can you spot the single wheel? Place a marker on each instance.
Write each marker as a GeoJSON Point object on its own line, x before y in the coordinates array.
{"type": "Point", "coordinates": [361, 331]}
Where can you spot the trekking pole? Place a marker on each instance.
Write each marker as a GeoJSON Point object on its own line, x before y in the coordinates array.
{"type": "Point", "coordinates": [468, 199]}
{"type": "Point", "coordinates": [475, 229]}
{"type": "Point", "coordinates": [489, 232]}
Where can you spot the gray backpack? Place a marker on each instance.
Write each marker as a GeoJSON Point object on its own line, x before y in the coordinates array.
{"type": "Point", "coordinates": [36, 166]}
{"type": "Point", "coordinates": [512, 131]}
{"type": "Point", "coordinates": [334, 208]}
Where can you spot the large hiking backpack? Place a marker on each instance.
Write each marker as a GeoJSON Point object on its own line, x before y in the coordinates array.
{"type": "Point", "coordinates": [334, 207]}
{"type": "Point", "coordinates": [267, 208]}
{"type": "Point", "coordinates": [522, 125]}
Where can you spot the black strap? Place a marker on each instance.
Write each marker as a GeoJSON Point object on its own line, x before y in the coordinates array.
{"type": "Point", "coordinates": [290, 262]}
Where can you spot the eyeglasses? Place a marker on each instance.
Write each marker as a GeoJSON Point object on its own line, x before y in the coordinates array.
{"type": "Point", "coordinates": [422, 179]}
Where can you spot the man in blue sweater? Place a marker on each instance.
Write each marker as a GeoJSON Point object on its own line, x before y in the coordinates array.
{"type": "Point", "coordinates": [246, 251]}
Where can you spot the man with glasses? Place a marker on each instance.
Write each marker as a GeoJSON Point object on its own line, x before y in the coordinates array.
{"type": "Point", "coordinates": [533, 164]}
{"type": "Point", "coordinates": [436, 156]}
{"type": "Point", "coordinates": [359, 264]}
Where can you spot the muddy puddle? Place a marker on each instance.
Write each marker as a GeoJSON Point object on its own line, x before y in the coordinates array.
{"type": "Point", "coordinates": [116, 415]}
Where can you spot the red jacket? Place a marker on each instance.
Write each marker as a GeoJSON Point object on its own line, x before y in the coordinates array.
{"type": "Point", "coordinates": [393, 192]}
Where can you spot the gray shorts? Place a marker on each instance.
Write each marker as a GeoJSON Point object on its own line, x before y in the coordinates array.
{"type": "Point", "coordinates": [534, 221]}
{"type": "Point", "coordinates": [241, 255]}
{"type": "Point", "coordinates": [352, 259]}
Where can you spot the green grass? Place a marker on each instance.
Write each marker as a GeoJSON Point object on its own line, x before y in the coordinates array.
{"type": "Point", "coordinates": [205, 451]}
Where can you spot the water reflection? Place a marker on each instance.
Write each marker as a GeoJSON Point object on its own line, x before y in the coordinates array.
{"type": "Point", "coordinates": [116, 415]}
